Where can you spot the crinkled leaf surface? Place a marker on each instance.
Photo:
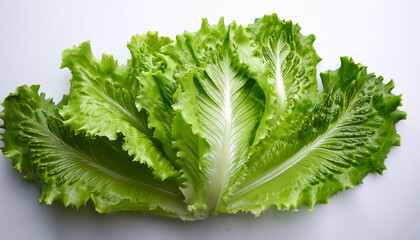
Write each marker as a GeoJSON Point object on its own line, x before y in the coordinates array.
{"type": "Point", "coordinates": [73, 168]}
{"type": "Point", "coordinates": [155, 95]}
{"type": "Point", "coordinates": [102, 103]}
{"type": "Point", "coordinates": [144, 49]}
{"type": "Point", "coordinates": [290, 57]}
{"type": "Point", "coordinates": [221, 120]}
{"type": "Point", "coordinates": [328, 143]}
{"type": "Point", "coordinates": [221, 99]}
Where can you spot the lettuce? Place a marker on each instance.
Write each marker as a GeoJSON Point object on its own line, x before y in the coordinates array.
{"type": "Point", "coordinates": [221, 120]}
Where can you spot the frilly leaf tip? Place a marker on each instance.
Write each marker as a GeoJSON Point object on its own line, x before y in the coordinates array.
{"type": "Point", "coordinates": [204, 23]}
{"type": "Point", "coordinates": [83, 48]}
{"type": "Point", "coordinates": [221, 21]}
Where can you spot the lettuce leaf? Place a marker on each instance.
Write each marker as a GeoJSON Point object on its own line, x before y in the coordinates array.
{"type": "Point", "coordinates": [74, 168]}
{"type": "Point", "coordinates": [291, 59]}
{"type": "Point", "coordinates": [155, 95]}
{"type": "Point", "coordinates": [103, 103]}
{"type": "Point", "coordinates": [222, 101]}
{"type": "Point", "coordinates": [328, 143]}
{"type": "Point", "coordinates": [221, 120]}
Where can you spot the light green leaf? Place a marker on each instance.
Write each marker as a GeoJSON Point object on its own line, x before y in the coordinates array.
{"type": "Point", "coordinates": [326, 144]}
{"type": "Point", "coordinates": [74, 169]}
{"type": "Point", "coordinates": [291, 59]}
{"type": "Point", "coordinates": [156, 97]}
{"type": "Point", "coordinates": [13, 114]}
{"type": "Point", "coordinates": [188, 144]}
{"type": "Point", "coordinates": [220, 99]}
{"type": "Point", "coordinates": [157, 86]}
{"type": "Point", "coordinates": [144, 49]}
{"type": "Point", "coordinates": [102, 103]}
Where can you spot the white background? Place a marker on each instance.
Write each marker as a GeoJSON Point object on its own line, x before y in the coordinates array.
{"type": "Point", "coordinates": [383, 35]}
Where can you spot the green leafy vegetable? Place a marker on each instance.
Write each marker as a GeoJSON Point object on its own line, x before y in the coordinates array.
{"type": "Point", "coordinates": [222, 120]}
{"type": "Point", "coordinates": [327, 143]}
{"type": "Point", "coordinates": [222, 102]}
{"type": "Point", "coordinates": [73, 168]}
{"type": "Point", "coordinates": [103, 103]}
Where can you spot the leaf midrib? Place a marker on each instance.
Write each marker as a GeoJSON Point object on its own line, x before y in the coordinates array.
{"type": "Point", "coordinates": [93, 162]}
{"type": "Point", "coordinates": [285, 165]}
{"type": "Point", "coordinates": [281, 88]}
{"type": "Point", "coordinates": [221, 174]}
{"type": "Point", "coordinates": [118, 109]}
